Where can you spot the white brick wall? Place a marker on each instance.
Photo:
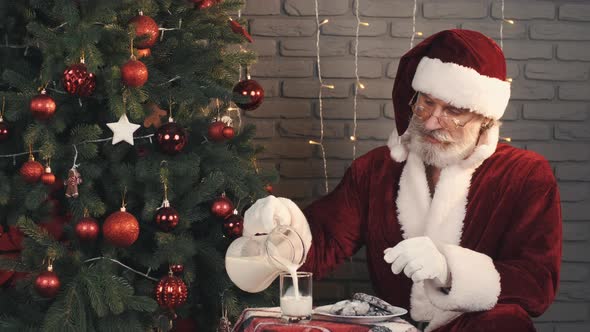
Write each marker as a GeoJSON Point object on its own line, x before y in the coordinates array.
{"type": "Point", "coordinates": [548, 53]}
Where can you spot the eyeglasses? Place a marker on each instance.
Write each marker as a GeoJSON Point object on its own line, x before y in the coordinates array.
{"type": "Point", "coordinates": [451, 118]}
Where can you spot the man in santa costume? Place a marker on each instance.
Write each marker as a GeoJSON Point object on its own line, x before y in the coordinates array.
{"type": "Point", "coordinates": [463, 231]}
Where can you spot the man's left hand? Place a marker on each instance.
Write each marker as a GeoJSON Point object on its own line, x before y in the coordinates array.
{"type": "Point", "coordinates": [419, 258]}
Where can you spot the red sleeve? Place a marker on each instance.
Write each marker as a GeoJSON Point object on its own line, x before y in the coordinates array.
{"type": "Point", "coordinates": [336, 223]}
{"type": "Point", "coordinates": [530, 259]}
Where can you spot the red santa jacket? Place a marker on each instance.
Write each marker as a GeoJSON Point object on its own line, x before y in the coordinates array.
{"type": "Point", "coordinates": [497, 221]}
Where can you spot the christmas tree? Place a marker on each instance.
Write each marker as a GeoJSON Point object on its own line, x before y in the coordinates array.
{"type": "Point", "coordinates": [123, 180]}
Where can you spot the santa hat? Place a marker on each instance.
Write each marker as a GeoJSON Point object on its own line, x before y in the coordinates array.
{"type": "Point", "coordinates": [461, 67]}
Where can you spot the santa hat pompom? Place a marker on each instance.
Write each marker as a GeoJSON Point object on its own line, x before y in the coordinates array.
{"type": "Point", "coordinates": [398, 146]}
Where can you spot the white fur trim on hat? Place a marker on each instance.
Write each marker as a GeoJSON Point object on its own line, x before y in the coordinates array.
{"type": "Point", "coordinates": [462, 87]}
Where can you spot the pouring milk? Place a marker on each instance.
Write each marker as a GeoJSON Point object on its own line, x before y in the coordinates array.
{"type": "Point", "coordinates": [253, 262]}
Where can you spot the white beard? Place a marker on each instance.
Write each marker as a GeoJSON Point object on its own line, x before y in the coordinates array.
{"type": "Point", "coordinates": [440, 155]}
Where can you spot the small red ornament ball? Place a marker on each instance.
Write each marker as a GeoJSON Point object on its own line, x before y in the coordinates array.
{"type": "Point", "coordinates": [205, 4]}
{"type": "Point", "coordinates": [228, 132]}
{"type": "Point", "coordinates": [248, 95]}
{"type": "Point", "coordinates": [171, 138]}
{"type": "Point", "coordinates": [134, 73]}
{"type": "Point", "coordinates": [268, 188]}
{"type": "Point", "coordinates": [222, 207]}
{"type": "Point", "coordinates": [4, 130]}
{"type": "Point", "coordinates": [31, 171]}
{"type": "Point", "coordinates": [167, 218]}
{"type": "Point", "coordinates": [171, 292]}
{"type": "Point", "coordinates": [177, 268]}
{"type": "Point", "coordinates": [87, 229]}
{"type": "Point", "coordinates": [215, 131]}
{"type": "Point", "coordinates": [233, 226]}
{"type": "Point", "coordinates": [146, 31]}
{"type": "Point", "coordinates": [121, 229]}
{"type": "Point", "coordinates": [78, 81]}
{"type": "Point", "coordinates": [47, 177]}
{"type": "Point", "coordinates": [42, 106]}
{"type": "Point", "coordinates": [47, 284]}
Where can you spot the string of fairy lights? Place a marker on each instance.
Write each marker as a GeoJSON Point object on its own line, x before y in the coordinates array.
{"type": "Point", "coordinates": [502, 21]}
{"type": "Point", "coordinates": [322, 85]}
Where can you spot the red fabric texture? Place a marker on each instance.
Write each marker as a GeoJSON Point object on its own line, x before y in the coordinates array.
{"type": "Point", "coordinates": [513, 215]}
{"type": "Point", "coordinates": [260, 324]}
{"type": "Point", "coordinates": [503, 317]}
{"type": "Point", "coordinates": [463, 47]}
{"type": "Point", "coordinates": [10, 246]}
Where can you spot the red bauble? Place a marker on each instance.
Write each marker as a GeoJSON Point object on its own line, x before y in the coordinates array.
{"type": "Point", "coordinates": [222, 207]}
{"type": "Point", "coordinates": [177, 268]}
{"type": "Point", "coordinates": [146, 31]}
{"type": "Point", "coordinates": [134, 73]}
{"type": "Point", "coordinates": [4, 130]}
{"type": "Point", "coordinates": [143, 52]}
{"type": "Point", "coordinates": [78, 81]}
{"type": "Point", "coordinates": [47, 283]}
{"type": "Point", "coordinates": [121, 229]}
{"type": "Point", "coordinates": [228, 132]}
{"type": "Point", "coordinates": [233, 226]}
{"type": "Point", "coordinates": [171, 138]}
{"type": "Point", "coordinates": [215, 131]}
{"type": "Point", "coordinates": [167, 218]}
{"type": "Point", "coordinates": [248, 95]}
{"type": "Point", "coordinates": [47, 177]}
{"type": "Point", "coordinates": [171, 292]}
{"type": "Point", "coordinates": [87, 229]}
{"type": "Point", "coordinates": [42, 106]}
{"type": "Point", "coordinates": [268, 188]}
{"type": "Point", "coordinates": [31, 171]}
{"type": "Point", "coordinates": [204, 4]}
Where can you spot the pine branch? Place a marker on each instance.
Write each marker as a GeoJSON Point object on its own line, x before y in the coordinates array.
{"type": "Point", "coordinates": [53, 248]}
{"type": "Point", "coordinates": [18, 81]}
{"type": "Point", "coordinates": [13, 265]}
{"type": "Point", "coordinates": [63, 314]}
{"type": "Point", "coordinates": [141, 303]}
{"type": "Point", "coordinates": [93, 282]}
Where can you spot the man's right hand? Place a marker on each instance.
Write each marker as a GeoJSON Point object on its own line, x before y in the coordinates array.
{"type": "Point", "coordinates": [269, 212]}
{"type": "Point", "coordinates": [264, 215]}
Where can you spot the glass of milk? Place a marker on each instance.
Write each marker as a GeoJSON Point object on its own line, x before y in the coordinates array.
{"type": "Point", "coordinates": [296, 296]}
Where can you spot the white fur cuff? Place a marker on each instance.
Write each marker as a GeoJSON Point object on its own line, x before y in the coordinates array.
{"type": "Point", "coordinates": [475, 282]}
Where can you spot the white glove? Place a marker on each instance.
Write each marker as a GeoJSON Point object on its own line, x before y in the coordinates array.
{"type": "Point", "coordinates": [269, 212]}
{"type": "Point", "coordinates": [419, 258]}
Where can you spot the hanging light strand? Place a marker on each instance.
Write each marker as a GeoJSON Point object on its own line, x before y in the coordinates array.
{"type": "Point", "coordinates": [358, 85]}
{"type": "Point", "coordinates": [322, 86]}
{"type": "Point", "coordinates": [502, 28]}
{"type": "Point", "coordinates": [414, 25]}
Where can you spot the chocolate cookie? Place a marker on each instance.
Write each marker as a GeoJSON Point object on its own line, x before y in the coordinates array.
{"type": "Point", "coordinates": [374, 301]}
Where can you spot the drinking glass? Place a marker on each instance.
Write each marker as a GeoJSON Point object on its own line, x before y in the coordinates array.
{"type": "Point", "coordinates": [296, 296]}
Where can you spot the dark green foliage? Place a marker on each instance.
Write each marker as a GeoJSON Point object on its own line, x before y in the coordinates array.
{"type": "Point", "coordinates": [189, 68]}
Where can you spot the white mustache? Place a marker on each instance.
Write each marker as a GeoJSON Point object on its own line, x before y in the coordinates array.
{"type": "Point", "coordinates": [442, 137]}
{"type": "Point", "coordinates": [438, 134]}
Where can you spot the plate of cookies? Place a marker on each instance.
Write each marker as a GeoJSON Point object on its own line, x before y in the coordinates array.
{"type": "Point", "coordinates": [362, 308]}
